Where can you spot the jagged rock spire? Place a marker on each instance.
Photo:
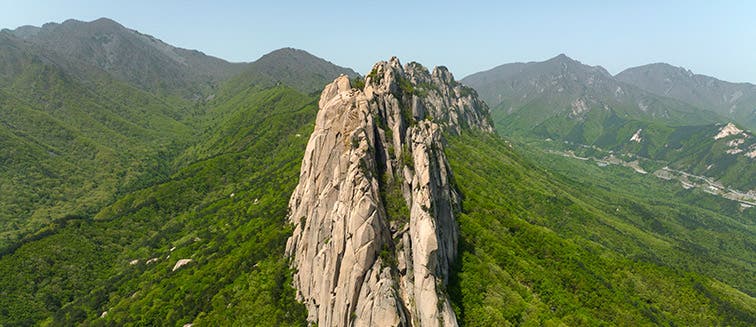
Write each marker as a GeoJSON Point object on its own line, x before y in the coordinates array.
{"type": "Point", "coordinates": [374, 212]}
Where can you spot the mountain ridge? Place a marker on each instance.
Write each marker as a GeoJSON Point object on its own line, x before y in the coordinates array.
{"type": "Point", "coordinates": [131, 56]}
{"type": "Point", "coordinates": [590, 110]}
{"type": "Point", "coordinates": [565, 87]}
{"type": "Point", "coordinates": [734, 100]}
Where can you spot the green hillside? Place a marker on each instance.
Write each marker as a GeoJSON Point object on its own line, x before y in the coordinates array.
{"type": "Point", "coordinates": [541, 248]}
{"type": "Point", "coordinates": [534, 250]}
{"type": "Point", "coordinates": [78, 131]}
{"type": "Point", "coordinates": [162, 168]}
{"type": "Point", "coordinates": [226, 212]}
{"type": "Point", "coordinates": [694, 149]}
{"type": "Point", "coordinates": [70, 144]}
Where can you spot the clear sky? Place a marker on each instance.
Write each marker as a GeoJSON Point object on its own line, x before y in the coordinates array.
{"type": "Point", "coordinates": [716, 38]}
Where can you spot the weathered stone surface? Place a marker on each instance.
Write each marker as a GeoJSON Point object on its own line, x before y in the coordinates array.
{"type": "Point", "coordinates": [375, 232]}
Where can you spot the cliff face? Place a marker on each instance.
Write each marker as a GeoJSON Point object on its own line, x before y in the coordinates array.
{"type": "Point", "coordinates": [375, 232]}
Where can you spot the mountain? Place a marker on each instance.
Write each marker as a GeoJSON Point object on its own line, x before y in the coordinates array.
{"type": "Point", "coordinates": [563, 98]}
{"type": "Point", "coordinates": [151, 198]}
{"type": "Point", "coordinates": [296, 68]}
{"type": "Point", "coordinates": [81, 122]}
{"type": "Point", "coordinates": [548, 239]}
{"type": "Point", "coordinates": [596, 114]}
{"type": "Point", "coordinates": [71, 142]}
{"type": "Point", "coordinates": [736, 101]}
{"type": "Point", "coordinates": [138, 59]}
{"type": "Point", "coordinates": [374, 213]}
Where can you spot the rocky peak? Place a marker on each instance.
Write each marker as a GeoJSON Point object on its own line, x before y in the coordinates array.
{"type": "Point", "coordinates": [727, 130]}
{"type": "Point", "coordinates": [441, 75]}
{"type": "Point", "coordinates": [436, 96]}
{"type": "Point", "coordinates": [106, 22]}
{"type": "Point", "coordinates": [563, 58]}
{"type": "Point", "coordinates": [374, 212]}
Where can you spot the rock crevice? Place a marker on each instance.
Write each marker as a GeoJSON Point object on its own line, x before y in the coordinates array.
{"type": "Point", "coordinates": [374, 211]}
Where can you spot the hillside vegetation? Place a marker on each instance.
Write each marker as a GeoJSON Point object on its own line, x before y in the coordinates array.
{"type": "Point", "coordinates": [540, 248]}
{"type": "Point", "coordinates": [534, 251]}
{"type": "Point", "coordinates": [226, 212]}
{"type": "Point", "coordinates": [70, 145]}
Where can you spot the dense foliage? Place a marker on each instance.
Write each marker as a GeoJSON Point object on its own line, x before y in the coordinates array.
{"type": "Point", "coordinates": [70, 145]}
{"type": "Point", "coordinates": [226, 212]}
{"type": "Point", "coordinates": [541, 248]}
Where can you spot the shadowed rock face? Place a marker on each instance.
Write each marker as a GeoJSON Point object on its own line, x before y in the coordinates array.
{"type": "Point", "coordinates": [374, 211]}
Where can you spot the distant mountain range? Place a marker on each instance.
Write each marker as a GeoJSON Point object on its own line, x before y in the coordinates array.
{"type": "Point", "coordinates": [547, 95]}
{"type": "Point", "coordinates": [650, 89]}
{"type": "Point", "coordinates": [736, 101]}
{"type": "Point", "coordinates": [129, 56]}
{"type": "Point", "coordinates": [657, 112]}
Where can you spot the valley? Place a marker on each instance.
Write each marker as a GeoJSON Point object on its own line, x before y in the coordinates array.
{"type": "Point", "coordinates": [747, 199]}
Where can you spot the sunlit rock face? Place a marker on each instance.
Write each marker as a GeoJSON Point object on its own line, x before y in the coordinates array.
{"type": "Point", "coordinates": [374, 212]}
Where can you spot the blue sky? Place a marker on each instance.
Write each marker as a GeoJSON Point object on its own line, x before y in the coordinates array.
{"type": "Point", "coordinates": [716, 38]}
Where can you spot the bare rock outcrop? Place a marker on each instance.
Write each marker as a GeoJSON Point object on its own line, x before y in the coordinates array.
{"type": "Point", "coordinates": [374, 212]}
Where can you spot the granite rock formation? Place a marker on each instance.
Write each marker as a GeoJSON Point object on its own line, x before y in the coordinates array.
{"type": "Point", "coordinates": [374, 212]}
